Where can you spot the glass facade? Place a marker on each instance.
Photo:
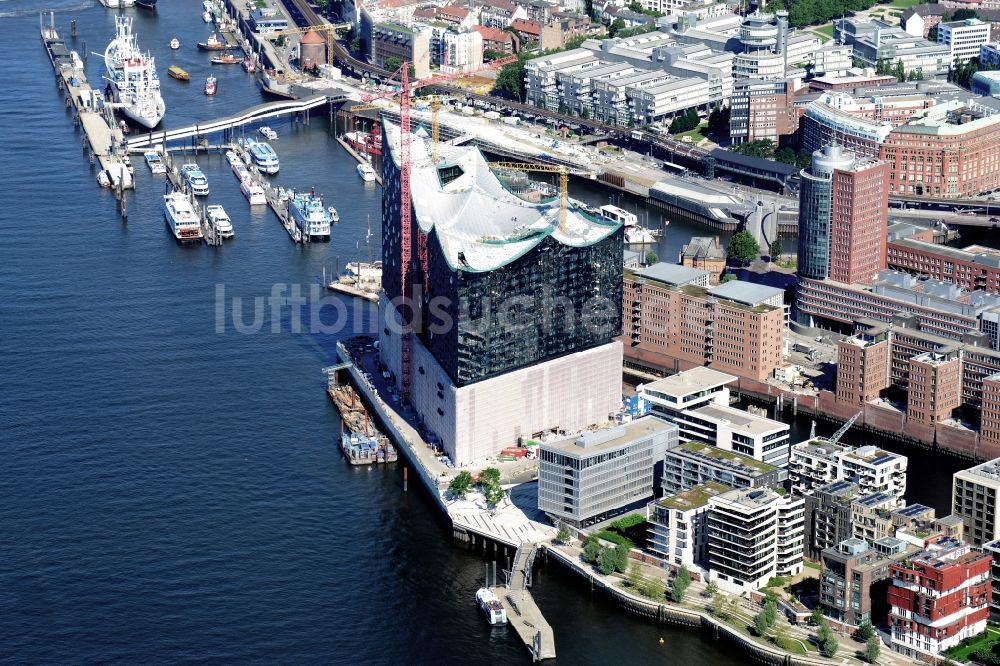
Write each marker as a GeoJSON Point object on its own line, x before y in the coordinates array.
{"type": "Point", "coordinates": [815, 201]}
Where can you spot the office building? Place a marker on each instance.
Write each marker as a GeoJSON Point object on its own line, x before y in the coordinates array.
{"type": "Point", "coordinates": [595, 474]}
{"type": "Point", "coordinates": [974, 500]}
{"type": "Point", "coordinates": [855, 578]}
{"type": "Point", "coordinates": [695, 463]}
{"type": "Point", "coordinates": [862, 368]}
{"type": "Point", "coordinates": [951, 150]}
{"type": "Point", "coordinates": [817, 462]}
{"type": "Point", "coordinates": [935, 389]}
{"type": "Point", "coordinates": [481, 373]}
{"type": "Point", "coordinates": [843, 217]}
{"type": "Point", "coordinates": [762, 108]}
{"type": "Point", "coordinates": [861, 122]}
{"type": "Point", "coordinates": [972, 268]}
{"type": "Point", "coordinates": [678, 530]}
{"type": "Point", "coordinates": [707, 254]}
{"type": "Point", "coordinates": [753, 534]}
{"type": "Point", "coordinates": [672, 323]}
{"type": "Point", "coordinates": [670, 396]}
{"type": "Point", "coordinates": [875, 41]}
{"type": "Point", "coordinates": [403, 43]}
{"type": "Point", "coordinates": [938, 597]}
{"type": "Point", "coordinates": [963, 38]}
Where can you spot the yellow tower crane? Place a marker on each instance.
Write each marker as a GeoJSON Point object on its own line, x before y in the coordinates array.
{"type": "Point", "coordinates": [545, 168]}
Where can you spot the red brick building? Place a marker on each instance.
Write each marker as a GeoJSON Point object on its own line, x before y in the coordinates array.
{"type": "Point", "coordinates": [858, 221]}
{"type": "Point", "coordinates": [501, 41]}
{"type": "Point", "coordinates": [935, 387]}
{"type": "Point", "coordinates": [971, 268]}
{"type": "Point", "coordinates": [938, 597]}
{"type": "Point", "coordinates": [862, 369]}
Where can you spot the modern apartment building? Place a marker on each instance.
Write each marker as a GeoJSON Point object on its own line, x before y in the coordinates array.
{"type": "Point", "coordinates": [993, 550]}
{"type": "Point", "coordinates": [817, 462]}
{"type": "Point", "coordinates": [482, 375]}
{"type": "Point", "coordinates": [669, 397]}
{"type": "Point", "coordinates": [828, 516]}
{"type": "Point", "coordinates": [736, 430]}
{"type": "Point", "coordinates": [737, 327]}
{"type": "Point", "coordinates": [843, 205]}
{"type": "Point", "coordinates": [695, 463]}
{"type": "Point", "coordinates": [938, 597]}
{"type": "Point", "coordinates": [963, 38]}
{"type": "Point", "coordinates": [974, 499]}
{"type": "Point", "coordinates": [753, 534]}
{"type": "Point", "coordinates": [595, 474]}
{"type": "Point", "coordinates": [678, 530]}
{"type": "Point", "coordinates": [950, 150]}
{"type": "Point", "coordinates": [854, 579]}
{"type": "Point", "coordinates": [404, 43]}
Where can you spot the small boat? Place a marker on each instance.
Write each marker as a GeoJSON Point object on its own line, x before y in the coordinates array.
{"type": "Point", "coordinates": [103, 179]}
{"type": "Point", "coordinates": [253, 193]}
{"type": "Point", "coordinates": [263, 156]}
{"type": "Point", "coordinates": [176, 72]}
{"type": "Point", "coordinates": [636, 235]}
{"type": "Point", "coordinates": [127, 161]}
{"type": "Point", "coordinates": [490, 604]}
{"type": "Point", "coordinates": [196, 180]}
{"type": "Point", "coordinates": [220, 220]}
{"type": "Point", "coordinates": [206, 17]}
{"type": "Point", "coordinates": [117, 4]}
{"type": "Point", "coordinates": [268, 133]}
{"type": "Point", "coordinates": [334, 215]}
{"type": "Point", "coordinates": [210, 86]}
{"type": "Point", "coordinates": [147, 4]}
{"type": "Point", "coordinates": [241, 173]}
{"type": "Point", "coordinates": [213, 43]}
{"type": "Point", "coordinates": [225, 59]}
{"type": "Point", "coordinates": [249, 65]}
{"type": "Point", "coordinates": [154, 162]}
{"type": "Point", "coordinates": [366, 172]}
{"type": "Point", "coordinates": [175, 43]}
{"type": "Point", "coordinates": [180, 216]}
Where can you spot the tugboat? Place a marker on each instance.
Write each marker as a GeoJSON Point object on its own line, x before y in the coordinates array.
{"type": "Point", "coordinates": [210, 86]}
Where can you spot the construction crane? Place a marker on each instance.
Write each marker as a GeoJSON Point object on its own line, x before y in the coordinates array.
{"type": "Point", "coordinates": [843, 429]}
{"type": "Point", "coordinates": [545, 168]}
{"type": "Point", "coordinates": [328, 28]}
{"type": "Point", "coordinates": [405, 203]}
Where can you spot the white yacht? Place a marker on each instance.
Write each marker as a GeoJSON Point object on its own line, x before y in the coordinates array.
{"type": "Point", "coordinates": [263, 156]}
{"type": "Point", "coordinates": [268, 133]}
{"type": "Point", "coordinates": [310, 216]}
{"type": "Point", "coordinates": [131, 77]}
{"type": "Point", "coordinates": [636, 235]}
{"type": "Point", "coordinates": [195, 179]}
{"type": "Point", "coordinates": [492, 609]}
{"type": "Point", "coordinates": [334, 215]}
{"type": "Point", "coordinates": [118, 4]}
{"type": "Point", "coordinates": [616, 214]}
{"type": "Point", "coordinates": [175, 43]}
{"type": "Point", "coordinates": [206, 17]}
{"type": "Point", "coordinates": [180, 216]}
{"type": "Point", "coordinates": [154, 162]}
{"type": "Point", "coordinates": [220, 220]}
{"type": "Point", "coordinates": [254, 193]}
{"type": "Point", "coordinates": [366, 172]}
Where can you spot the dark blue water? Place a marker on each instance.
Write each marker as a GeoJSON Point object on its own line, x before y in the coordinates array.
{"type": "Point", "coordinates": [172, 493]}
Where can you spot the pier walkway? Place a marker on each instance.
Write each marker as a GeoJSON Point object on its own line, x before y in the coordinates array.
{"type": "Point", "coordinates": [522, 612]}
{"type": "Point", "coordinates": [254, 114]}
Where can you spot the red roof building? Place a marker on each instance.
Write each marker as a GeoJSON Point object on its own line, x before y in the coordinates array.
{"type": "Point", "coordinates": [529, 29]}
{"type": "Point", "coordinates": [501, 41]}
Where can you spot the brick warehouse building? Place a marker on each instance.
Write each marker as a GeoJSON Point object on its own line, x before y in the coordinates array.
{"type": "Point", "coordinates": [490, 360]}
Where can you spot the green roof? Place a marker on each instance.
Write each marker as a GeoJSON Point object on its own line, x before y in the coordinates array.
{"type": "Point", "coordinates": [695, 497]}
{"type": "Point", "coordinates": [727, 456]}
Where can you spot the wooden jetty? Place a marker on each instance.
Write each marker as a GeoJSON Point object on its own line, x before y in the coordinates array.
{"type": "Point", "coordinates": [347, 286]}
{"type": "Point", "coordinates": [104, 138]}
{"type": "Point", "coordinates": [522, 612]}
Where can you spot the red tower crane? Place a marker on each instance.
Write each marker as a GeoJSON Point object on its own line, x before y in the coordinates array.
{"type": "Point", "coordinates": [405, 204]}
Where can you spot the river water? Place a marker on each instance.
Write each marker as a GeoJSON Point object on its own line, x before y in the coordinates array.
{"type": "Point", "coordinates": [171, 489]}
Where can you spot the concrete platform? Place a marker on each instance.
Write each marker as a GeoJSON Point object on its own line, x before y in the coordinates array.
{"type": "Point", "coordinates": [526, 618]}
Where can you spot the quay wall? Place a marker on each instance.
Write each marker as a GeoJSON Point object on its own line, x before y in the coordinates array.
{"type": "Point", "coordinates": [684, 617]}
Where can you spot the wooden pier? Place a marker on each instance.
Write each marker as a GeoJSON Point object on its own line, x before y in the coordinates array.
{"type": "Point", "coordinates": [522, 612]}
{"type": "Point", "coordinates": [104, 138]}
{"type": "Point", "coordinates": [352, 290]}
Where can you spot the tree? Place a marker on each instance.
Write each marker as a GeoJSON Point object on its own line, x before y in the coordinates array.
{"type": "Point", "coordinates": [816, 619]}
{"type": "Point", "coordinates": [563, 535]}
{"type": "Point", "coordinates": [872, 649]}
{"type": "Point", "coordinates": [785, 155]}
{"type": "Point", "coordinates": [510, 79]}
{"type": "Point", "coordinates": [490, 476]}
{"type": "Point", "coordinates": [356, 45]}
{"type": "Point", "coordinates": [491, 54]}
{"type": "Point", "coordinates": [763, 148]}
{"type": "Point", "coordinates": [392, 63]}
{"type": "Point", "coordinates": [770, 611]}
{"type": "Point", "coordinates": [651, 258]}
{"type": "Point", "coordinates": [635, 577]}
{"type": "Point", "coordinates": [866, 631]}
{"type": "Point", "coordinates": [606, 561]}
{"type": "Point", "coordinates": [616, 26]}
{"type": "Point", "coordinates": [829, 646]}
{"type": "Point", "coordinates": [742, 247]}
{"type": "Point", "coordinates": [712, 589]}
{"type": "Point", "coordinates": [654, 588]}
{"type": "Point", "coordinates": [718, 121]}
{"type": "Point", "coordinates": [591, 550]}
{"type": "Point", "coordinates": [963, 14]}
{"type": "Point", "coordinates": [460, 485]}
{"type": "Point", "coordinates": [776, 249]}
{"type": "Point", "coordinates": [620, 557]}
{"type": "Point", "coordinates": [494, 494]}
{"type": "Point", "coordinates": [719, 608]}
{"type": "Point", "coordinates": [681, 583]}
{"type": "Point", "coordinates": [760, 624]}
{"type": "Point", "coordinates": [899, 71]}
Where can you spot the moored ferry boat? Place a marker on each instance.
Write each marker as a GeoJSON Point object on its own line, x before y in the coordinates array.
{"type": "Point", "coordinates": [219, 219]}
{"type": "Point", "coordinates": [491, 607]}
{"type": "Point", "coordinates": [195, 179]}
{"type": "Point", "coordinates": [366, 172]}
{"type": "Point", "coordinates": [180, 217]}
{"type": "Point", "coordinates": [254, 193]}
{"type": "Point", "coordinates": [263, 156]}
{"type": "Point", "coordinates": [131, 77]}
{"type": "Point", "coordinates": [154, 162]}
{"type": "Point", "coordinates": [310, 215]}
